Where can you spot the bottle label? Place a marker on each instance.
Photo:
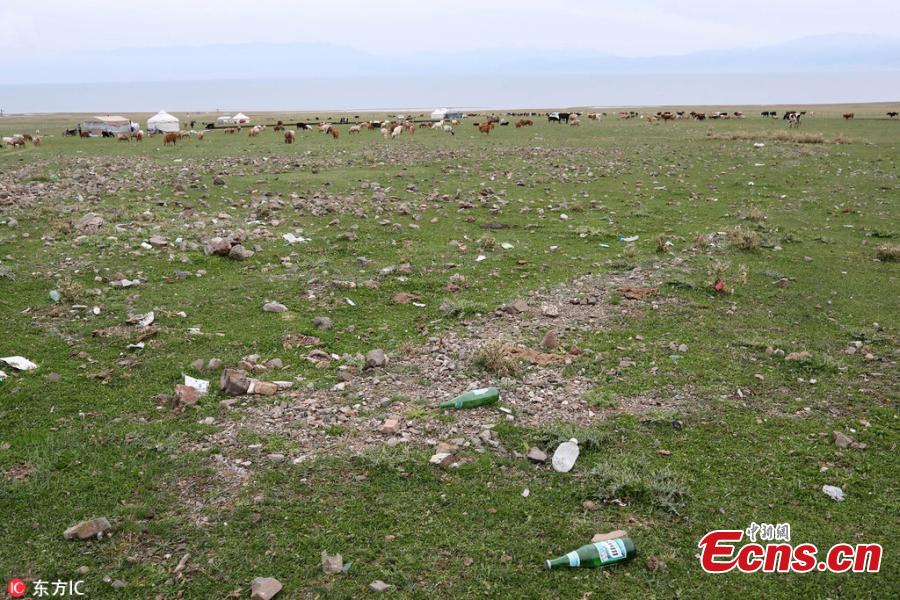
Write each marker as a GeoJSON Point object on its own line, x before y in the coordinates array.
{"type": "Point", "coordinates": [574, 559]}
{"type": "Point", "coordinates": [611, 550]}
{"type": "Point", "coordinates": [481, 392]}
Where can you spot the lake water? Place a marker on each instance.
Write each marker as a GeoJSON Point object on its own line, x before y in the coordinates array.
{"type": "Point", "coordinates": [473, 92]}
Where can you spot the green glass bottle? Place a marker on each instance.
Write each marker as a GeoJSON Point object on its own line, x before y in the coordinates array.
{"type": "Point", "coordinates": [481, 397]}
{"type": "Point", "coordinates": [599, 554]}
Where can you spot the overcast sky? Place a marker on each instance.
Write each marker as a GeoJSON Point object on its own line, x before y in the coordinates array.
{"type": "Point", "coordinates": [29, 28]}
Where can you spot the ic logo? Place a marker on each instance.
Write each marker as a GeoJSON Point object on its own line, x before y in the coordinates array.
{"type": "Point", "coordinates": [16, 588]}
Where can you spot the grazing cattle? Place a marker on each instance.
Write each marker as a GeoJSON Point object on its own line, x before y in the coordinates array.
{"type": "Point", "coordinates": [454, 121]}
{"type": "Point", "coordinates": [200, 135]}
{"type": "Point", "coordinates": [793, 119]}
{"type": "Point", "coordinates": [892, 114]}
{"type": "Point", "coordinates": [848, 116]}
{"type": "Point", "coordinates": [84, 134]}
{"type": "Point", "coordinates": [279, 126]}
{"type": "Point", "coordinates": [485, 127]}
{"type": "Point", "coordinates": [254, 131]}
{"type": "Point", "coordinates": [36, 140]}
{"type": "Point", "coordinates": [123, 137]}
{"type": "Point", "coordinates": [396, 131]}
{"type": "Point", "coordinates": [16, 140]}
{"type": "Point", "coordinates": [574, 122]}
{"type": "Point", "coordinates": [504, 123]}
{"type": "Point", "coordinates": [449, 129]}
{"type": "Point", "coordinates": [170, 138]}
{"type": "Point", "coordinates": [411, 128]}
{"type": "Point", "coordinates": [334, 132]}
{"type": "Point", "coordinates": [438, 124]}
{"type": "Point", "coordinates": [354, 129]}
{"type": "Point", "coordinates": [289, 136]}
{"type": "Point", "coordinates": [138, 135]}
{"type": "Point", "coordinates": [70, 132]}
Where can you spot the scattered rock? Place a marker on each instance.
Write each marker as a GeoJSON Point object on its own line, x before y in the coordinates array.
{"type": "Point", "coordinates": [442, 459]}
{"type": "Point", "coordinates": [841, 440]}
{"type": "Point", "coordinates": [88, 529]}
{"type": "Point", "coordinates": [214, 364]}
{"type": "Point", "coordinates": [239, 252]}
{"type": "Point", "coordinates": [264, 588]}
{"type": "Point", "coordinates": [332, 565]}
{"type": "Point", "coordinates": [186, 395]}
{"type": "Point", "coordinates": [217, 246]}
{"type": "Point", "coordinates": [550, 310]}
{"type": "Point", "coordinates": [833, 492]}
{"type": "Point", "coordinates": [637, 293]}
{"type": "Point", "coordinates": [376, 359]}
{"type": "Point", "coordinates": [323, 323]}
{"type": "Point", "coordinates": [602, 537]}
{"type": "Point", "coordinates": [797, 356]}
{"type": "Point", "coordinates": [89, 224]}
{"type": "Point", "coordinates": [218, 180]}
{"type": "Point", "coordinates": [537, 455]}
{"type": "Point", "coordinates": [390, 426]}
{"type": "Point", "coordinates": [379, 586]}
{"type": "Point", "coordinates": [276, 307]}
{"type": "Point", "coordinates": [198, 364]}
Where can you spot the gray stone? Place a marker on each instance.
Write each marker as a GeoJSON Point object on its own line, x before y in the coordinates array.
{"type": "Point", "coordinates": [537, 455]}
{"type": "Point", "coordinates": [376, 359]}
{"type": "Point", "coordinates": [323, 323]}
{"type": "Point", "coordinates": [841, 440]}
{"type": "Point", "coordinates": [239, 252]}
{"type": "Point", "coordinates": [264, 588]}
{"type": "Point", "coordinates": [276, 307]}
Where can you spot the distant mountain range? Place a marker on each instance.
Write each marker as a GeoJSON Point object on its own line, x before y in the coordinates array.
{"type": "Point", "coordinates": [830, 53]}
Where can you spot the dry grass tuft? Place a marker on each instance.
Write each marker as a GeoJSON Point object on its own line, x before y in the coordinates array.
{"type": "Point", "coordinates": [888, 253]}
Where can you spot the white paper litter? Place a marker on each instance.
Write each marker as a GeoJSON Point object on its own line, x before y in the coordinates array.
{"type": "Point", "coordinates": [142, 320]}
{"type": "Point", "coordinates": [201, 385]}
{"type": "Point", "coordinates": [290, 238]}
{"type": "Point", "coordinates": [19, 362]}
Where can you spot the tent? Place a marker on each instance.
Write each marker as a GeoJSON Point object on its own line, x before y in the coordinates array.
{"type": "Point", "coordinates": [112, 123]}
{"type": "Point", "coordinates": [240, 119]}
{"type": "Point", "coordinates": [163, 121]}
{"type": "Point", "coordinates": [438, 114]}
{"type": "Point", "coordinates": [225, 120]}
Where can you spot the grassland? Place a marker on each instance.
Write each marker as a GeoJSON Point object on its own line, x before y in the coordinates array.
{"type": "Point", "coordinates": [689, 415]}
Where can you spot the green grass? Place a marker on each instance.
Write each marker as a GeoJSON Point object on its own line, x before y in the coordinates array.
{"type": "Point", "coordinates": [104, 448]}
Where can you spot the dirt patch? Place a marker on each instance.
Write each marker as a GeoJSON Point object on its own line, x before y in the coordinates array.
{"type": "Point", "coordinates": [350, 416]}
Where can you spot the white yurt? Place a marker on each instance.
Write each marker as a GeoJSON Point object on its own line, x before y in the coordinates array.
{"type": "Point", "coordinates": [163, 121]}
{"type": "Point", "coordinates": [225, 120]}
{"type": "Point", "coordinates": [438, 114]}
{"type": "Point", "coordinates": [240, 119]}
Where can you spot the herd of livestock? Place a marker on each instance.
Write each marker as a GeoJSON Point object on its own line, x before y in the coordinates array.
{"type": "Point", "coordinates": [391, 129]}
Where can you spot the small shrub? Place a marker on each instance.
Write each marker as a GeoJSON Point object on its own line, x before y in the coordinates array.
{"type": "Point", "coordinates": [662, 488]}
{"type": "Point", "coordinates": [494, 358]}
{"type": "Point", "coordinates": [743, 238]}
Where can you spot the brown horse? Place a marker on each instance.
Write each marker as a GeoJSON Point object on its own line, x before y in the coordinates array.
{"type": "Point", "coordinates": [170, 137]}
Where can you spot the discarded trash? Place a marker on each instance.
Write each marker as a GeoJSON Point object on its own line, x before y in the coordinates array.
{"type": "Point", "coordinates": [2, 376]}
{"type": "Point", "coordinates": [834, 492]}
{"type": "Point", "coordinates": [201, 385]}
{"type": "Point", "coordinates": [480, 397]}
{"type": "Point", "coordinates": [480, 258]}
{"type": "Point", "coordinates": [631, 238]}
{"type": "Point", "coordinates": [144, 320]}
{"type": "Point", "coordinates": [602, 245]}
{"type": "Point", "coordinates": [565, 456]}
{"type": "Point", "coordinates": [138, 346]}
{"type": "Point", "coordinates": [290, 238]}
{"type": "Point", "coordinates": [54, 295]}
{"type": "Point", "coordinates": [719, 286]}
{"type": "Point", "coordinates": [506, 246]}
{"type": "Point", "coordinates": [599, 554]}
{"type": "Point", "coordinates": [350, 302]}
{"type": "Point", "coordinates": [19, 362]}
